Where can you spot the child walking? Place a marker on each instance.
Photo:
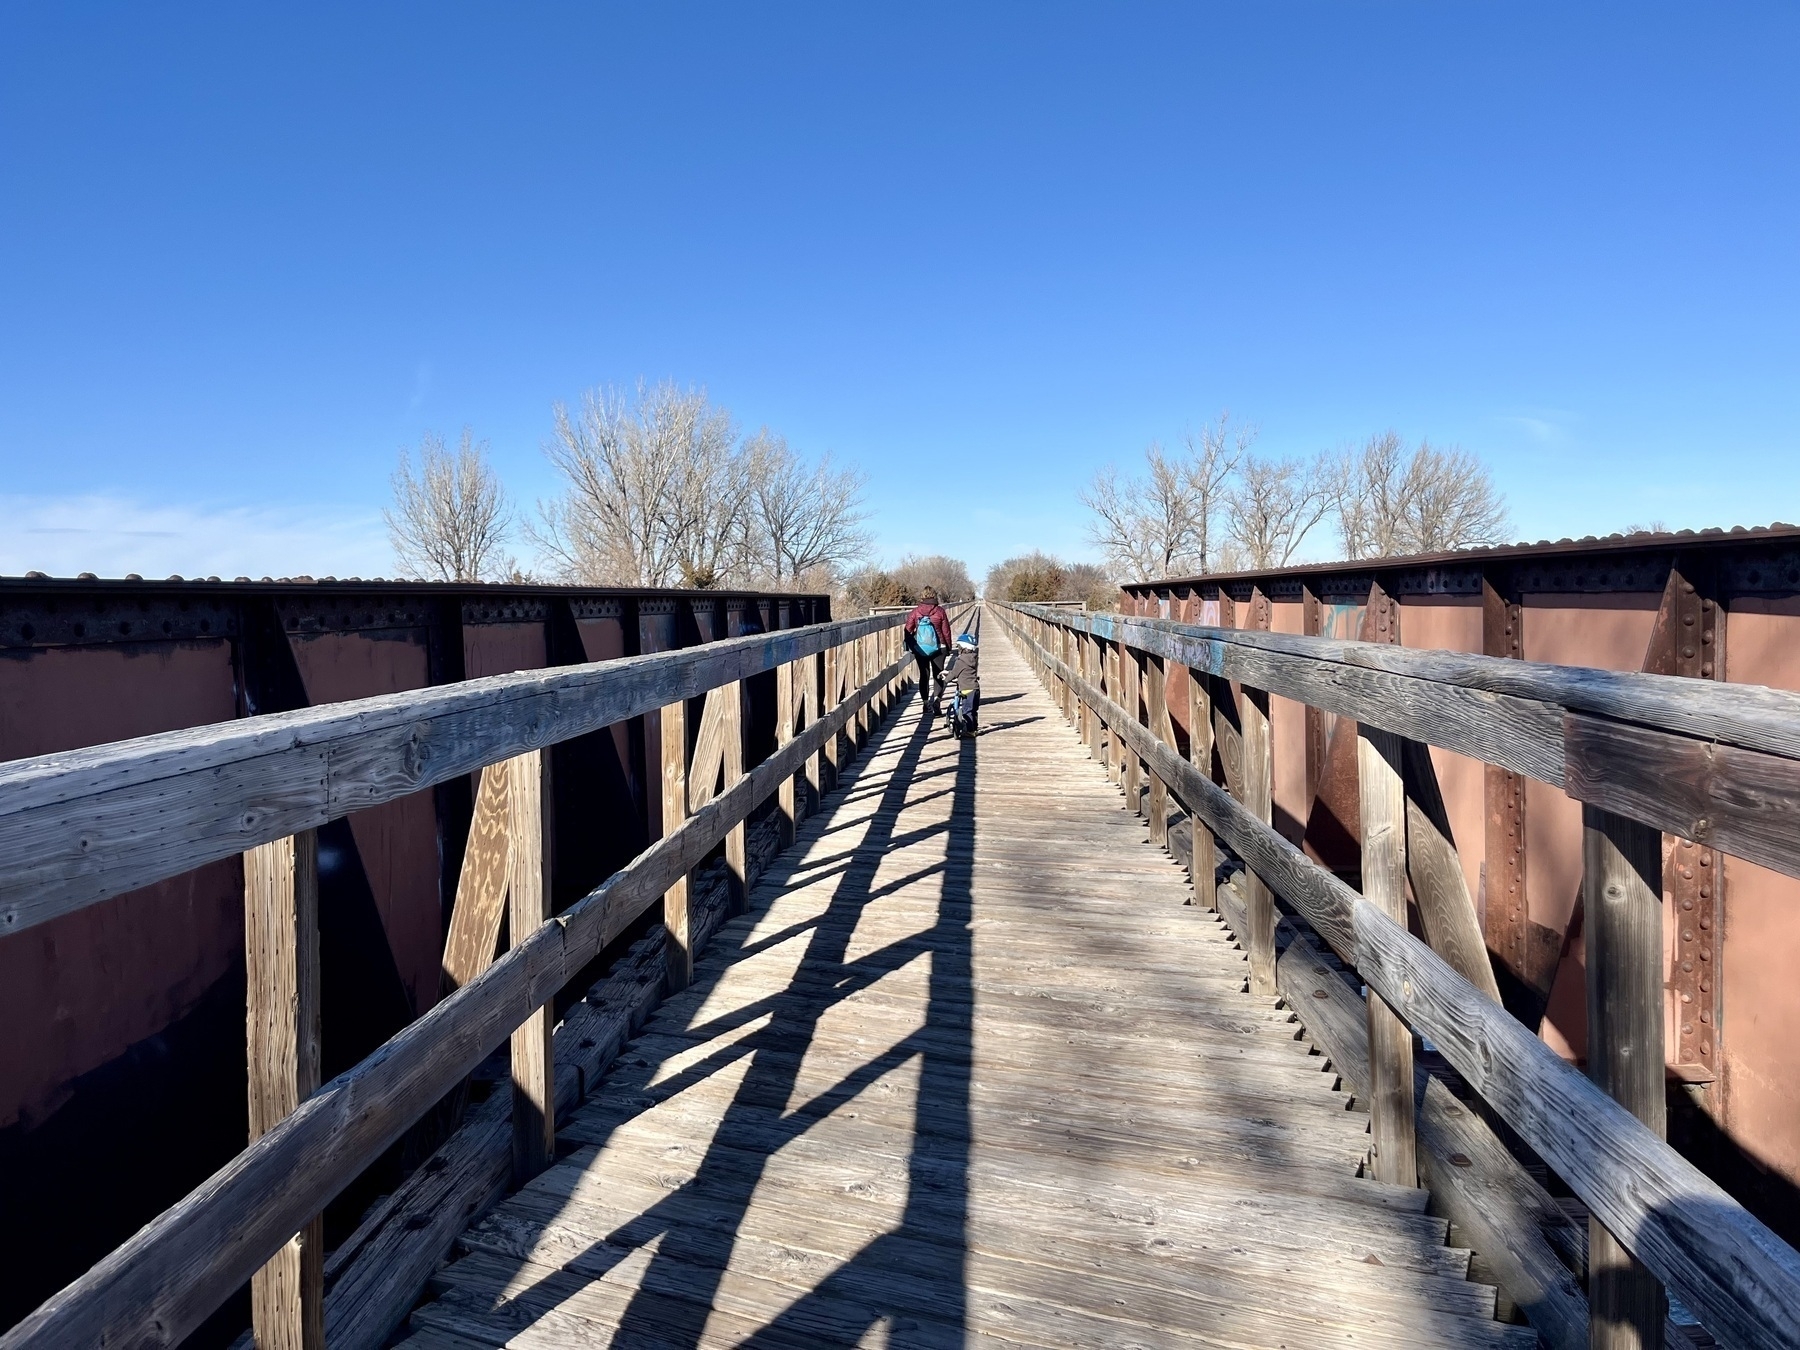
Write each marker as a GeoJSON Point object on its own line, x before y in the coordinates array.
{"type": "Point", "coordinates": [963, 676]}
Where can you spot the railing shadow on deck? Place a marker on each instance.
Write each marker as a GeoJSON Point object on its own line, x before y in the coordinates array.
{"type": "Point", "coordinates": [674, 1291]}
{"type": "Point", "coordinates": [1624, 746]}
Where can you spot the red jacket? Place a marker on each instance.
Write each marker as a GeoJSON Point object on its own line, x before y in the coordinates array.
{"type": "Point", "coordinates": [940, 622]}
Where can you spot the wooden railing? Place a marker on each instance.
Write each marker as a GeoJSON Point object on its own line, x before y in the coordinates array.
{"type": "Point", "coordinates": [1643, 753]}
{"type": "Point", "coordinates": [77, 828]}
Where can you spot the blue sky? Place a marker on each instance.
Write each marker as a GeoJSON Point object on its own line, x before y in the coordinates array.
{"type": "Point", "coordinates": [247, 253]}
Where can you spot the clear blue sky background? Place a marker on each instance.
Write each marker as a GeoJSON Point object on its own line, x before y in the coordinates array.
{"type": "Point", "coordinates": [979, 251]}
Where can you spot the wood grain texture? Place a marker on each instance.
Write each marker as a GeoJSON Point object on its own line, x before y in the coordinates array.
{"type": "Point", "coordinates": [481, 886]}
{"type": "Point", "coordinates": [1156, 711]}
{"type": "Point", "coordinates": [159, 1285]}
{"type": "Point", "coordinates": [1258, 796]}
{"type": "Point", "coordinates": [1741, 801]}
{"type": "Point", "coordinates": [1741, 1280]}
{"type": "Point", "coordinates": [1621, 891]}
{"type": "Point", "coordinates": [813, 681]}
{"type": "Point", "coordinates": [1439, 885]}
{"type": "Point", "coordinates": [1475, 1182]}
{"type": "Point", "coordinates": [376, 1276]}
{"type": "Point", "coordinates": [786, 715]}
{"type": "Point", "coordinates": [678, 952]}
{"type": "Point", "coordinates": [1381, 790]}
{"type": "Point", "coordinates": [1365, 682]}
{"type": "Point", "coordinates": [1502, 1213]}
{"type": "Point", "coordinates": [72, 825]}
{"type": "Point", "coordinates": [1751, 716]}
{"type": "Point", "coordinates": [281, 957]}
{"type": "Point", "coordinates": [528, 909]}
{"type": "Point", "coordinates": [1203, 861]}
{"type": "Point", "coordinates": [737, 865]}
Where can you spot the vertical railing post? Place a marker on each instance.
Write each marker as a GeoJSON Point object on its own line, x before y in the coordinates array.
{"type": "Point", "coordinates": [1259, 799]}
{"type": "Point", "coordinates": [811, 677]}
{"type": "Point", "coordinates": [1131, 671]}
{"type": "Point", "coordinates": [1622, 902]}
{"type": "Point", "coordinates": [1062, 686]}
{"type": "Point", "coordinates": [1156, 702]}
{"type": "Point", "coordinates": [1096, 731]}
{"type": "Point", "coordinates": [857, 727]}
{"type": "Point", "coordinates": [833, 655]}
{"type": "Point", "coordinates": [1382, 790]}
{"type": "Point", "coordinates": [528, 906]}
{"type": "Point", "coordinates": [786, 813]}
{"type": "Point", "coordinates": [1205, 871]}
{"type": "Point", "coordinates": [678, 956]}
{"type": "Point", "coordinates": [281, 956]}
{"type": "Point", "coordinates": [1115, 761]}
{"type": "Point", "coordinates": [737, 838]}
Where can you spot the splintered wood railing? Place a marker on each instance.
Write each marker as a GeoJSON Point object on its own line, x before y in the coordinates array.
{"type": "Point", "coordinates": [80, 827]}
{"type": "Point", "coordinates": [1711, 763]}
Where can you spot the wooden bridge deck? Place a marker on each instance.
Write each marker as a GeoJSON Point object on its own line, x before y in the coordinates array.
{"type": "Point", "coordinates": [970, 1071]}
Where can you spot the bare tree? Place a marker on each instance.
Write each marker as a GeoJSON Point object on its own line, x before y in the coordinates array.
{"type": "Point", "coordinates": [1455, 503]}
{"type": "Point", "coordinates": [804, 519]}
{"type": "Point", "coordinates": [904, 583]}
{"type": "Point", "coordinates": [1272, 506]}
{"type": "Point", "coordinates": [450, 518]}
{"type": "Point", "coordinates": [1390, 503]}
{"type": "Point", "coordinates": [654, 493]}
{"type": "Point", "coordinates": [1043, 576]}
{"type": "Point", "coordinates": [1162, 525]}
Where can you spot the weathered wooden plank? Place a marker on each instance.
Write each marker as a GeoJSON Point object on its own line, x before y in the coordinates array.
{"type": "Point", "coordinates": [158, 1286]}
{"type": "Point", "coordinates": [679, 951]}
{"type": "Point", "coordinates": [1258, 787]}
{"type": "Point", "coordinates": [1475, 1182]}
{"type": "Point", "coordinates": [1622, 898]}
{"type": "Point", "coordinates": [72, 825]}
{"type": "Point", "coordinates": [1493, 1201]}
{"type": "Point", "coordinates": [1156, 704]}
{"type": "Point", "coordinates": [528, 908]}
{"type": "Point", "coordinates": [481, 886]}
{"type": "Point", "coordinates": [737, 857]}
{"type": "Point", "coordinates": [1751, 716]}
{"type": "Point", "coordinates": [1740, 1279]}
{"type": "Point", "coordinates": [813, 678]}
{"type": "Point", "coordinates": [786, 714]}
{"type": "Point", "coordinates": [1382, 793]}
{"type": "Point", "coordinates": [1367, 683]}
{"type": "Point", "coordinates": [707, 759]}
{"type": "Point", "coordinates": [281, 956]}
{"type": "Point", "coordinates": [1744, 802]}
{"type": "Point", "coordinates": [1203, 860]}
{"type": "Point", "coordinates": [1439, 885]}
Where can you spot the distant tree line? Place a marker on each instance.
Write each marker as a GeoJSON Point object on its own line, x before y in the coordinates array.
{"type": "Point", "coordinates": [658, 488]}
{"type": "Point", "coordinates": [904, 584]}
{"type": "Point", "coordinates": [1039, 577]}
{"type": "Point", "coordinates": [1215, 505]}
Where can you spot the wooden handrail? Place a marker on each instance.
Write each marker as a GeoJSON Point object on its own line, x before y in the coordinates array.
{"type": "Point", "coordinates": [1715, 763]}
{"type": "Point", "coordinates": [83, 825]}
{"type": "Point", "coordinates": [1739, 1277]}
{"type": "Point", "coordinates": [162, 1283]}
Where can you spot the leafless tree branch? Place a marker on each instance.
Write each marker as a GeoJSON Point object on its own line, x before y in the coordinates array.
{"type": "Point", "coordinates": [450, 518]}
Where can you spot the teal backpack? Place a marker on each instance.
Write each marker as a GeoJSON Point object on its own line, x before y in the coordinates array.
{"type": "Point", "coordinates": [925, 635]}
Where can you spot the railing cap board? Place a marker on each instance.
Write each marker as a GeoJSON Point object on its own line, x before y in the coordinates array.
{"type": "Point", "coordinates": [1752, 716]}
{"type": "Point", "coordinates": [82, 825]}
